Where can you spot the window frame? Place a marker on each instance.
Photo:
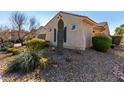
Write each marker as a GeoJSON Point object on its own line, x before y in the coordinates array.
{"type": "Point", "coordinates": [65, 34]}
{"type": "Point", "coordinates": [74, 29]}
{"type": "Point", "coordinates": [50, 30]}
{"type": "Point", "coordinates": [55, 32]}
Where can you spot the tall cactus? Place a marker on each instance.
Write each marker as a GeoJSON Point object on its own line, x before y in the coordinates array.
{"type": "Point", "coordinates": [60, 36]}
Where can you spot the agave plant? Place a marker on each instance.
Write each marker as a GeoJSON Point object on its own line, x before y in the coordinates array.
{"type": "Point", "coordinates": [24, 63]}
{"type": "Point", "coordinates": [29, 60]}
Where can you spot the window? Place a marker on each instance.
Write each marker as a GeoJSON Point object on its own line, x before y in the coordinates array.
{"type": "Point", "coordinates": [50, 30]}
{"type": "Point", "coordinates": [42, 36]}
{"type": "Point", "coordinates": [65, 33]}
{"type": "Point", "coordinates": [54, 35]}
{"type": "Point", "coordinates": [74, 27]}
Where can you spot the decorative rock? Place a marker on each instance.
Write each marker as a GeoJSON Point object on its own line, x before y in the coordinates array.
{"type": "Point", "coordinates": [118, 72]}
{"type": "Point", "coordinates": [68, 59]}
{"type": "Point", "coordinates": [53, 48]}
{"type": "Point", "coordinates": [55, 65]}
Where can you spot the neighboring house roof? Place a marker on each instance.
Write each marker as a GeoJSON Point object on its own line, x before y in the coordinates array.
{"type": "Point", "coordinates": [42, 27]}
{"type": "Point", "coordinates": [42, 36]}
{"type": "Point", "coordinates": [102, 24]}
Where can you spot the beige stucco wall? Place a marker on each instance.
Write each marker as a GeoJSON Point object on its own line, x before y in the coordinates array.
{"type": "Point", "coordinates": [81, 38]}
{"type": "Point", "coordinates": [107, 32]}
{"type": "Point", "coordinates": [88, 30]}
{"type": "Point", "coordinates": [75, 39]}
{"type": "Point", "coordinates": [99, 32]}
{"type": "Point", "coordinates": [41, 31]}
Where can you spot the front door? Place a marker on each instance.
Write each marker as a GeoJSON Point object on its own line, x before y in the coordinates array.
{"type": "Point", "coordinates": [60, 35]}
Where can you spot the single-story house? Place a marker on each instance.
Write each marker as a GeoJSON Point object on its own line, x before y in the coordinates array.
{"type": "Point", "coordinates": [71, 31]}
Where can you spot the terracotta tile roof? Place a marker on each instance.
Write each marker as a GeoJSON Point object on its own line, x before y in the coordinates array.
{"type": "Point", "coordinates": [102, 24]}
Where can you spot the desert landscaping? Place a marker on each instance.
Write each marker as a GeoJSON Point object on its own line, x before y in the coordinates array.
{"type": "Point", "coordinates": [61, 51]}
{"type": "Point", "coordinates": [72, 66]}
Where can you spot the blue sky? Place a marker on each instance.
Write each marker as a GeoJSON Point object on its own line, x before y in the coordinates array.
{"type": "Point", "coordinates": [114, 18]}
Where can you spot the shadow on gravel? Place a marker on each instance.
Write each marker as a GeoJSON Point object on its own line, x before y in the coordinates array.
{"type": "Point", "coordinates": [85, 66]}
{"type": "Point", "coordinates": [4, 55]}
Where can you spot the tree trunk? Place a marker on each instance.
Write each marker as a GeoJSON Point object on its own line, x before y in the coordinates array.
{"type": "Point", "coordinates": [1, 40]}
{"type": "Point", "coordinates": [20, 39]}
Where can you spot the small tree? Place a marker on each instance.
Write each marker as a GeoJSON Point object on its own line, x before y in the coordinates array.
{"type": "Point", "coordinates": [122, 25]}
{"type": "Point", "coordinates": [119, 31]}
{"type": "Point", "coordinates": [33, 27]}
{"type": "Point", "coordinates": [18, 20]}
{"type": "Point", "coordinates": [32, 23]}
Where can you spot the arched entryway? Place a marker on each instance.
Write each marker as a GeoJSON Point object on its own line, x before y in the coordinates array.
{"type": "Point", "coordinates": [60, 35]}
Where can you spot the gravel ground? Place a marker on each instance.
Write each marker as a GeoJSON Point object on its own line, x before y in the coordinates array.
{"type": "Point", "coordinates": [89, 66]}
{"type": "Point", "coordinates": [30, 77]}
{"type": "Point", "coordinates": [72, 66]}
{"type": "Point", "coordinates": [5, 59]}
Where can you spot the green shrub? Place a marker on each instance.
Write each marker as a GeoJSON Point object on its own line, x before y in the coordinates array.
{"type": "Point", "coordinates": [14, 51]}
{"type": "Point", "coordinates": [101, 43]}
{"type": "Point", "coordinates": [4, 46]}
{"type": "Point", "coordinates": [44, 63]}
{"type": "Point", "coordinates": [116, 39]}
{"type": "Point", "coordinates": [29, 60]}
{"type": "Point", "coordinates": [3, 49]}
{"type": "Point", "coordinates": [25, 63]}
{"type": "Point", "coordinates": [36, 44]}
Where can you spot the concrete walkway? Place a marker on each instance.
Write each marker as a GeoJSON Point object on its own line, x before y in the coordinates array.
{"type": "Point", "coordinates": [17, 45]}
